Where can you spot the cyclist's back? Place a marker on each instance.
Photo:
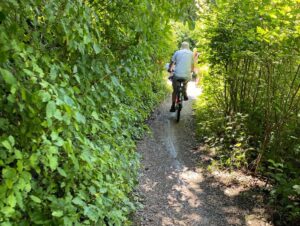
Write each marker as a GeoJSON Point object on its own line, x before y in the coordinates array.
{"type": "Point", "coordinates": [183, 59]}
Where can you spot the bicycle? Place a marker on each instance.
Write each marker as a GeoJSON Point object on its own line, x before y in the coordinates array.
{"type": "Point", "coordinates": [179, 98]}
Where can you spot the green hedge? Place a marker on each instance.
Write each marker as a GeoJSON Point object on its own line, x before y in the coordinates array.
{"type": "Point", "coordinates": [77, 79]}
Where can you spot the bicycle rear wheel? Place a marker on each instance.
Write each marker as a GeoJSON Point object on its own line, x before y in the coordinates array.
{"type": "Point", "coordinates": [179, 107]}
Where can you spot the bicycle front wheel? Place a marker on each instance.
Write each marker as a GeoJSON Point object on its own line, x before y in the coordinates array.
{"type": "Point", "coordinates": [178, 112]}
{"type": "Point", "coordinates": [178, 115]}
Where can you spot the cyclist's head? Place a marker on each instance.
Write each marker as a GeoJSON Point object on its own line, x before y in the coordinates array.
{"type": "Point", "coordinates": [185, 45]}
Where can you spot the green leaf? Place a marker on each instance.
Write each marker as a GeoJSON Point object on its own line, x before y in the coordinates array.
{"type": "Point", "coordinates": [11, 140]}
{"type": "Point", "coordinates": [91, 213]}
{"type": "Point", "coordinates": [53, 162]}
{"type": "Point", "coordinates": [107, 70]}
{"type": "Point", "coordinates": [11, 200]}
{"type": "Point", "coordinates": [75, 69]}
{"type": "Point", "coordinates": [35, 199]}
{"type": "Point", "coordinates": [8, 77]}
{"type": "Point", "coordinates": [20, 165]}
{"type": "Point", "coordinates": [7, 211]}
{"type": "Point", "coordinates": [7, 145]}
{"type": "Point", "coordinates": [54, 135]}
{"type": "Point", "coordinates": [115, 81]}
{"type": "Point", "coordinates": [96, 48]}
{"type": "Point", "coordinates": [238, 145]}
{"type": "Point", "coordinates": [44, 95]}
{"type": "Point", "coordinates": [61, 172]}
{"type": "Point", "coordinates": [58, 115]}
{"type": "Point", "coordinates": [53, 72]}
{"type": "Point", "coordinates": [34, 159]}
{"type": "Point", "coordinates": [95, 115]}
{"type": "Point", "coordinates": [9, 173]}
{"type": "Point", "coordinates": [50, 109]}
{"type": "Point", "coordinates": [19, 199]}
{"type": "Point", "coordinates": [68, 221]}
{"type": "Point", "coordinates": [79, 117]}
{"type": "Point", "coordinates": [103, 190]}
{"type": "Point", "coordinates": [68, 101]}
{"type": "Point", "coordinates": [28, 72]}
{"type": "Point", "coordinates": [18, 154]}
{"type": "Point", "coordinates": [60, 142]}
{"type": "Point", "coordinates": [57, 213]}
{"type": "Point", "coordinates": [78, 201]}
{"type": "Point", "coordinates": [297, 188]}
{"type": "Point", "coordinates": [127, 69]}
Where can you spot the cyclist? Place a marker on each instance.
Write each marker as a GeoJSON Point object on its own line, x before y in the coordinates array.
{"type": "Point", "coordinates": [184, 64]}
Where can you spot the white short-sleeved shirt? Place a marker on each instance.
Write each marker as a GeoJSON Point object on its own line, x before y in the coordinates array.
{"type": "Point", "coordinates": [183, 60]}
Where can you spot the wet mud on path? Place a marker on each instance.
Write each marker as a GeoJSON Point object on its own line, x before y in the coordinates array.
{"type": "Point", "coordinates": [174, 186]}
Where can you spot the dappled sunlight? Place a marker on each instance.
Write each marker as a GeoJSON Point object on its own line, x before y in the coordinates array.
{"type": "Point", "coordinates": [204, 193]}
{"type": "Point", "coordinates": [149, 185]}
{"type": "Point", "coordinates": [191, 176]}
{"type": "Point", "coordinates": [193, 90]}
{"type": "Point", "coordinates": [190, 219]}
{"type": "Point", "coordinates": [234, 191]}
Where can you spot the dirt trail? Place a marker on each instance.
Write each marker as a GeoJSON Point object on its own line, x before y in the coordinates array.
{"type": "Point", "coordinates": [176, 190]}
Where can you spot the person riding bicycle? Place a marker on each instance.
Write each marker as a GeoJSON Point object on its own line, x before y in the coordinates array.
{"type": "Point", "coordinates": [184, 65]}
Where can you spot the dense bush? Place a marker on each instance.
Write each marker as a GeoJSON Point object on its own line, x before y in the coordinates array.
{"type": "Point", "coordinates": [77, 79]}
{"type": "Point", "coordinates": [253, 92]}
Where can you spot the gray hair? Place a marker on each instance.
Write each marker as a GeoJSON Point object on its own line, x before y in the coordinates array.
{"type": "Point", "coordinates": [185, 45]}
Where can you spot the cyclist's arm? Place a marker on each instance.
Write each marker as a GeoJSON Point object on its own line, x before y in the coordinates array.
{"type": "Point", "coordinates": [170, 66]}
{"type": "Point", "coordinates": [172, 62]}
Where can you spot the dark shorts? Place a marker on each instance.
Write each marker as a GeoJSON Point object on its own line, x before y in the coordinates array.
{"type": "Point", "coordinates": [175, 84]}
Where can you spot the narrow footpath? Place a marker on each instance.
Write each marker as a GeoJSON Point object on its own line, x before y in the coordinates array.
{"type": "Point", "coordinates": [175, 187]}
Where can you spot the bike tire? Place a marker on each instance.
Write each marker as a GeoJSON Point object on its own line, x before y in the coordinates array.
{"type": "Point", "coordinates": [178, 114]}
{"type": "Point", "coordinates": [179, 104]}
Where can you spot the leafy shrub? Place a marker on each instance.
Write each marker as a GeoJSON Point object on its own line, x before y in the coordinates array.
{"type": "Point", "coordinates": [285, 195]}
{"type": "Point", "coordinates": [77, 80]}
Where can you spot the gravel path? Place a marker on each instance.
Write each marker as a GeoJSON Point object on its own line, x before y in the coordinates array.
{"type": "Point", "coordinates": [175, 188]}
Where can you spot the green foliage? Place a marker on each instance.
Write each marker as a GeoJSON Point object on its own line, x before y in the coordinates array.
{"type": "Point", "coordinates": [285, 194]}
{"type": "Point", "coordinates": [77, 79]}
{"type": "Point", "coordinates": [254, 71]}
{"type": "Point", "coordinates": [228, 136]}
